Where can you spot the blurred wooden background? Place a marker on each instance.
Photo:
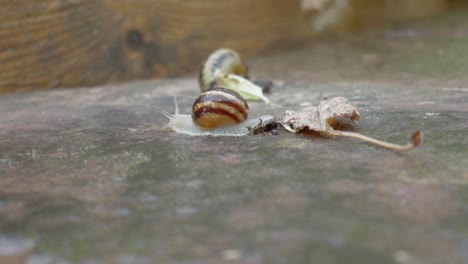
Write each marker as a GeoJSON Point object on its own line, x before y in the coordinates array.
{"type": "Point", "coordinates": [70, 43]}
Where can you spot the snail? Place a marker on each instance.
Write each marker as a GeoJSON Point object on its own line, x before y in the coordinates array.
{"type": "Point", "coordinates": [227, 61]}
{"type": "Point", "coordinates": [219, 107]}
{"type": "Point", "coordinates": [225, 68]}
{"type": "Point", "coordinates": [218, 112]}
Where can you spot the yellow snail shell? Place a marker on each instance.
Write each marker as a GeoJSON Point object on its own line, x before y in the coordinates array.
{"type": "Point", "coordinates": [219, 107]}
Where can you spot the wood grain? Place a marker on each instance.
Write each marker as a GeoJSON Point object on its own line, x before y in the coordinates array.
{"type": "Point", "coordinates": [50, 43]}
{"type": "Point", "coordinates": [67, 43]}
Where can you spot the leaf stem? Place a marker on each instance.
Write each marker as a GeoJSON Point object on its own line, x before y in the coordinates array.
{"type": "Point", "coordinates": [415, 140]}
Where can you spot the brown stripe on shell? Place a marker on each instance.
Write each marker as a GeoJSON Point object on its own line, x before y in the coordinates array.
{"type": "Point", "coordinates": [222, 95]}
{"type": "Point", "coordinates": [233, 93]}
{"type": "Point", "coordinates": [232, 109]}
{"type": "Point", "coordinates": [219, 107]}
{"type": "Point", "coordinates": [241, 109]}
{"type": "Point", "coordinates": [214, 117]}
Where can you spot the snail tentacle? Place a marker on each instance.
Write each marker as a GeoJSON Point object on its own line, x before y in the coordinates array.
{"type": "Point", "coordinates": [164, 113]}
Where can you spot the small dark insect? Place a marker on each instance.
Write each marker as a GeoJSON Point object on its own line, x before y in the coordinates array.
{"type": "Point", "coordinates": [266, 124]}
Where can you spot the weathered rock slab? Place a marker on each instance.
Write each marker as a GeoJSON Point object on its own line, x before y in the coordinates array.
{"type": "Point", "coordinates": [92, 175]}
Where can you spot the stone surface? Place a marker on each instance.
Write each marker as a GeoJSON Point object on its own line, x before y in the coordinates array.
{"type": "Point", "coordinates": [92, 175]}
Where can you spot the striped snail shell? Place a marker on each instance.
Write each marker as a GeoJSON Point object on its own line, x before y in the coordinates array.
{"type": "Point", "coordinates": [227, 61]}
{"type": "Point", "coordinates": [219, 107]}
{"type": "Point", "coordinates": [190, 125]}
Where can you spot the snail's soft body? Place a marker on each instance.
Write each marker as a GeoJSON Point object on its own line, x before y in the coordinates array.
{"type": "Point", "coordinates": [225, 60]}
{"type": "Point", "coordinates": [183, 124]}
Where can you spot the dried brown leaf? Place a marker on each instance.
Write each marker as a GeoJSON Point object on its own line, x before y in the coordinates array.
{"type": "Point", "coordinates": [321, 117]}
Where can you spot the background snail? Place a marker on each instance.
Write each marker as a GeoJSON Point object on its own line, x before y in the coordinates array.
{"type": "Point", "coordinates": [227, 61]}
{"type": "Point", "coordinates": [210, 118]}
{"type": "Point", "coordinates": [225, 68]}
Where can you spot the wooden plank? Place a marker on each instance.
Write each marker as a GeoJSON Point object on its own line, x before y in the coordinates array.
{"type": "Point", "coordinates": [67, 43]}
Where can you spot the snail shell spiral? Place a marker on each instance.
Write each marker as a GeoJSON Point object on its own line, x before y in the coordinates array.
{"type": "Point", "coordinates": [219, 107]}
